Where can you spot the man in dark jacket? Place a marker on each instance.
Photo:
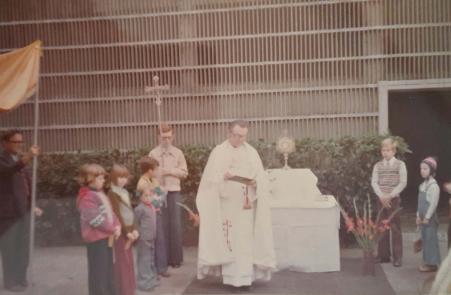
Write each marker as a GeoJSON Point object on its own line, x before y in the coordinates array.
{"type": "Point", "coordinates": [15, 193]}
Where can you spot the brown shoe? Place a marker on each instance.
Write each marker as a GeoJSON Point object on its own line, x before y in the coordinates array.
{"type": "Point", "coordinates": [427, 268]}
{"type": "Point", "coordinates": [165, 274]}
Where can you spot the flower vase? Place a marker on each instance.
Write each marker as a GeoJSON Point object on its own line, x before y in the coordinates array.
{"type": "Point", "coordinates": [368, 263]}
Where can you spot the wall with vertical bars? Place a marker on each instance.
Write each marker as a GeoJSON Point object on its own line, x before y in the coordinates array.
{"type": "Point", "coordinates": [311, 67]}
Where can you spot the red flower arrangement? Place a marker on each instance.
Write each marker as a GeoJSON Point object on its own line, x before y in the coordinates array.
{"type": "Point", "coordinates": [366, 231]}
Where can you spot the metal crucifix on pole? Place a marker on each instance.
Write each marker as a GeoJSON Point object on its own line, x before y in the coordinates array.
{"type": "Point", "coordinates": [156, 91]}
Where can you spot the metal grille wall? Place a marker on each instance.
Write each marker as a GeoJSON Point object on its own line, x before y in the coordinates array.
{"type": "Point", "coordinates": [311, 67]}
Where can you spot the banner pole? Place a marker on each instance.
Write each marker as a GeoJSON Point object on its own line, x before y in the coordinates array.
{"type": "Point", "coordinates": [33, 188]}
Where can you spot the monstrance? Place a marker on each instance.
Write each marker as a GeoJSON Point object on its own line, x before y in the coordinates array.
{"type": "Point", "coordinates": [286, 146]}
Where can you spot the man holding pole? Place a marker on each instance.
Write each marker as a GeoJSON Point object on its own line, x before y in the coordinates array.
{"type": "Point", "coordinates": [15, 195]}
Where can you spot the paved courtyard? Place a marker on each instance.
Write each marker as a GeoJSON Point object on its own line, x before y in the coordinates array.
{"type": "Point", "coordinates": [63, 271]}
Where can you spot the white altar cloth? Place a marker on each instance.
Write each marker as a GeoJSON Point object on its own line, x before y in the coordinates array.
{"type": "Point", "coordinates": [305, 223]}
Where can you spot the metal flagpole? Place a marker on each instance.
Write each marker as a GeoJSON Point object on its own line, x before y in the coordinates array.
{"type": "Point", "coordinates": [33, 186]}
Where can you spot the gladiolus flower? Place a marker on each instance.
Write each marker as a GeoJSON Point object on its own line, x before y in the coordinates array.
{"type": "Point", "coordinates": [366, 230]}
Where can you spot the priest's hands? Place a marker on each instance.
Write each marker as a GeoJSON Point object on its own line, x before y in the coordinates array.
{"type": "Point", "coordinates": [228, 175]}
{"type": "Point", "coordinates": [253, 183]}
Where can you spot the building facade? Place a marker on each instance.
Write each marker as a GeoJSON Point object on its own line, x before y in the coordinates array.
{"type": "Point", "coordinates": [312, 67]}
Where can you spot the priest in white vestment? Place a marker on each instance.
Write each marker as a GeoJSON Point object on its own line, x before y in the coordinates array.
{"type": "Point", "coordinates": [235, 235]}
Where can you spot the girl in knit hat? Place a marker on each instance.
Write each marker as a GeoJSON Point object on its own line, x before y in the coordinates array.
{"type": "Point", "coordinates": [427, 220]}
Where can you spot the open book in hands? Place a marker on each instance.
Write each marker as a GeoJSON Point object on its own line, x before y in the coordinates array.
{"type": "Point", "coordinates": [243, 180]}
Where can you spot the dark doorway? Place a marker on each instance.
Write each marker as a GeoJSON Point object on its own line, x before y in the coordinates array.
{"type": "Point", "coordinates": [423, 118]}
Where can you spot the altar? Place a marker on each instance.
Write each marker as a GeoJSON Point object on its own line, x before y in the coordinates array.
{"type": "Point", "coordinates": [305, 222]}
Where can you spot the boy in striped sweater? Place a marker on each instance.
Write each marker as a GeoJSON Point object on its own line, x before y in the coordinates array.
{"type": "Point", "coordinates": [388, 181]}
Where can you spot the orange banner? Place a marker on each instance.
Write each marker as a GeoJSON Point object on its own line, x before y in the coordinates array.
{"type": "Point", "coordinates": [19, 74]}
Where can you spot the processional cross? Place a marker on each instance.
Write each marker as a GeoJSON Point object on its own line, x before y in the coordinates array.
{"type": "Point", "coordinates": [156, 91]}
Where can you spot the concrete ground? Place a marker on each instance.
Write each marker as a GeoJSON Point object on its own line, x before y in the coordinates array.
{"type": "Point", "coordinates": [63, 271]}
{"type": "Point", "coordinates": [408, 280]}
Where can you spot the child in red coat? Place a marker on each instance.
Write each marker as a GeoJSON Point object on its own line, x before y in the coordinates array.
{"type": "Point", "coordinates": [99, 226]}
